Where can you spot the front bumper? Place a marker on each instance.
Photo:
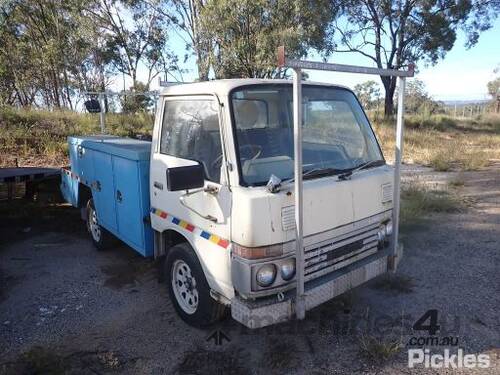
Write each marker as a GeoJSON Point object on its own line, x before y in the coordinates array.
{"type": "Point", "coordinates": [266, 311]}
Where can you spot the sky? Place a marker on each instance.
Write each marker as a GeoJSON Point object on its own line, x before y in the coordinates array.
{"type": "Point", "coordinates": [461, 75]}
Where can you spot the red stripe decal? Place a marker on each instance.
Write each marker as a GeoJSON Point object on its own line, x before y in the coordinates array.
{"type": "Point", "coordinates": [223, 243]}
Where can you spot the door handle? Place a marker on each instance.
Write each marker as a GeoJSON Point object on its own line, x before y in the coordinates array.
{"type": "Point", "coordinates": [158, 185]}
{"type": "Point", "coordinates": [119, 196]}
{"type": "Point", "coordinates": [79, 151]}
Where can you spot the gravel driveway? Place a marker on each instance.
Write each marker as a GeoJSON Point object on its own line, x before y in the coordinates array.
{"type": "Point", "coordinates": [68, 308]}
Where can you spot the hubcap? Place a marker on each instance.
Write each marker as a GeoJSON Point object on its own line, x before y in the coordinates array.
{"type": "Point", "coordinates": [94, 228]}
{"type": "Point", "coordinates": [184, 287]}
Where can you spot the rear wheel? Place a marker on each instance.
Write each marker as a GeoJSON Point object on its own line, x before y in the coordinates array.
{"type": "Point", "coordinates": [188, 288]}
{"type": "Point", "coordinates": [101, 238]}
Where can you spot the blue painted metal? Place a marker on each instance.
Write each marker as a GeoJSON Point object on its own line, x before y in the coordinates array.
{"type": "Point", "coordinates": [117, 171]}
{"type": "Point", "coordinates": [69, 188]}
{"type": "Point", "coordinates": [103, 188]}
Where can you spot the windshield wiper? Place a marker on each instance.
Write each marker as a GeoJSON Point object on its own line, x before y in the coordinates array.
{"type": "Point", "coordinates": [315, 172]}
{"type": "Point", "coordinates": [275, 184]}
{"type": "Point", "coordinates": [320, 172]}
{"type": "Point", "coordinates": [371, 163]}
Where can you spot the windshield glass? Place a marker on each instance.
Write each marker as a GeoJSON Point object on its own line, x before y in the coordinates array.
{"type": "Point", "coordinates": [336, 133]}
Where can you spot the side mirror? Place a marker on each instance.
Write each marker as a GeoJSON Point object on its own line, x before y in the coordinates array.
{"type": "Point", "coordinates": [184, 178]}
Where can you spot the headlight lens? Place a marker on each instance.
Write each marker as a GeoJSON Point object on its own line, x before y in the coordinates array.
{"type": "Point", "coordinates": [381, 234]}
{"type": "Point", "coordinates": [388, 229]}
{"type": "Point", "coordinates": [288, 269]}
{"type": "Point", "coordinates": [266, 275]}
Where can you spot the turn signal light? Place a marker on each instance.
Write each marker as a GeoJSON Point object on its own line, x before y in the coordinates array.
{"type": "Point", "coordinates": [257, 252]}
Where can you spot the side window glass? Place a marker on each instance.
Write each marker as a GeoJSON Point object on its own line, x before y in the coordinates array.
{"type": "Point", "coordinates": [191, 131]}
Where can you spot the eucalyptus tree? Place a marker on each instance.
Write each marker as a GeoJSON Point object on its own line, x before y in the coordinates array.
{"type": "Point", "coordinates": [394, 33]}
{"type": "Point", "coordinates": [244, 35]}
{"type": "Point", "coordinates": [134, 35]}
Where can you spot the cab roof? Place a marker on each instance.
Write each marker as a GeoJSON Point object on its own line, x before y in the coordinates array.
{"type": "Point", "coordinates": [222, 87]}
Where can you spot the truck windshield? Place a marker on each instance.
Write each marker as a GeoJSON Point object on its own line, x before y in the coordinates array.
{"type": "Point", "coordinates": [336, 134]}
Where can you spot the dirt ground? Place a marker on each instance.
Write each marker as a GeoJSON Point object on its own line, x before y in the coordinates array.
{"type": "Point", "coordinates": [66, 308]}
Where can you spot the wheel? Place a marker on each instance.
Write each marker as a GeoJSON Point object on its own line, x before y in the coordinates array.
{"type": "Point", "coordinates": [101, 238]}
{"type": "Point", "coordinates": [188, 288]}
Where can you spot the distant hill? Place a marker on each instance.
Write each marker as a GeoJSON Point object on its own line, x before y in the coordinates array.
{"type": "Point", "coordinates": [459, 103]}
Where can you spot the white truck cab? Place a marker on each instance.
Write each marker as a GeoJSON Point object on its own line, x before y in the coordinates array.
{"type": "Point", "coordinates": [222, 198]}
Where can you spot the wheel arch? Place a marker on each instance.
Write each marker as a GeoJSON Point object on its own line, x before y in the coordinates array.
{"type": "Point", "coordinates": [171, 237]}
{"type": "Point", "coordinates": [84, 194]}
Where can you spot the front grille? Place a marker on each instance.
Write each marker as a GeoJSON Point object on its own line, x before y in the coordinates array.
{"type": "Point", "coordinates": [331, 255]}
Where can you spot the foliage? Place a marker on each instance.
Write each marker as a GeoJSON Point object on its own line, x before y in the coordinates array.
{"type": "Point", "coordinates": [417, 99]}
{"type": "Point", "coordinates": [394, 34]}
{"type": "Point", "coordinates": [368, 93]}
{"type": "Point", "coordinates": [494, 87]}
{"type": "Point", "coordinates": [136, 102]}
{"type": "Point", "coordinates": [185, 19]}
{"type": "Point", "coordinates": [245, 34]}
{"type": "Point", "coordinates": [53, 51]}
{"type": "Point", "coordinates": [134, 33]}
{"type": "Point", "coordinates": [40, 51]}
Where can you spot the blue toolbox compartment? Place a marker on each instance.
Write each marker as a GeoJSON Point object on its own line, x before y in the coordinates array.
{"type": "Point", "coordinates": [117, 171]}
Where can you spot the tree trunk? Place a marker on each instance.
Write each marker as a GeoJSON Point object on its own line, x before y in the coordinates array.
{"type": "Point", "coordinates": [390, 88]}
{"type": "Point", "coordinates": [388, 105]}
{"type": "Point", "coordinates": [103, 89]}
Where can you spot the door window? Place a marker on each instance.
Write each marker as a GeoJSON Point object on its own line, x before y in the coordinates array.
{"type": "Point", "coordinates": [191, 131]}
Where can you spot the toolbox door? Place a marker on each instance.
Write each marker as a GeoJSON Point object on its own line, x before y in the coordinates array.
{"type": "Point", "coordinates": [103, 190]}
{"type": "Point", "coordinates": [128, 200]}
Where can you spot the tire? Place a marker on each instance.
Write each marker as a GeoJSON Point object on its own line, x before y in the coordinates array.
{"type": "Point", "coordinates": [101, 238]}
{"type": "Point", "coordinates": [188, 288]}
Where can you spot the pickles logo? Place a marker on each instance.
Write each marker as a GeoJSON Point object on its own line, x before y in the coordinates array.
{"type": "Point", "coordinates": [447, 359]}
{"type": "Point", "coordinates": [422, 356]}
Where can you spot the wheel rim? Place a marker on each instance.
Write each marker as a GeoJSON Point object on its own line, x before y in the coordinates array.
{"type": "Point", "coordinates": [94, 228]}
{"type": "Point", "coordinates": [184, 287]}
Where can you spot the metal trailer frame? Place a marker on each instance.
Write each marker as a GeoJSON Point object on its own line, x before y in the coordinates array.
{"type": "Point", "coordinates": [297, 66]}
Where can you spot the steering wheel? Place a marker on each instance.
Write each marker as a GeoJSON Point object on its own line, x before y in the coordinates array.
{"type": "Point", "coordinates": [258, 152]}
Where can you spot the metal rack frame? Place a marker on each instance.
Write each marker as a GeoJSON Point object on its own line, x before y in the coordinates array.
{"type": "Point", "coordinates": [297, 66]}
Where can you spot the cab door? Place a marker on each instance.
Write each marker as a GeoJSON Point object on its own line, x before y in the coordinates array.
{"type": "Point", "coordinates": [189, 132]}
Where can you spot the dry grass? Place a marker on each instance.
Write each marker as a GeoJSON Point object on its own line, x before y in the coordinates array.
{"type": "Point", "coordinates": [379, 349]}
{"type": "Point", "coordinates": [38, 138]}
{"type": "Point", "coordinates": [419, 200]}
{"type": "Point", "coordinates": [444, 143]}
{"type": "Point", "coordinates": [457, 182]}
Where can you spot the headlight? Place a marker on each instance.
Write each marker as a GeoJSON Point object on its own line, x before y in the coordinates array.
{"type": "Point", "coordinates": [288, 269]}
{"type": "Point", "coordinates": [388, 229]}
{"type": "Point", "coordinates": [266, 275]}
{"type": "Point", "coordinates": [381, 234]}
